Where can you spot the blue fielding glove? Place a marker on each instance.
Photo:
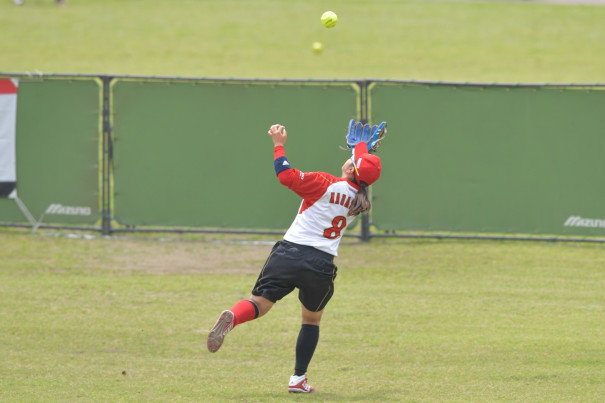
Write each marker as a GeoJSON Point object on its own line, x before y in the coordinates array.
{"type": "Point", "coordinates": [371, 135]}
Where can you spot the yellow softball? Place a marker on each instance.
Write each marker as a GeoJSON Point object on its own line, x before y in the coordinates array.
{"type": "Point", "coordinates": [329, 19]}
{"type": "Point", "coordinates": [317, 47]}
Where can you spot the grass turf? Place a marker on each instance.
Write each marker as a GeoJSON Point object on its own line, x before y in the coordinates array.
{"type": "Point", "coordinates": [411, 320]}
{"type": "Point", "coordinates": [420, 40]}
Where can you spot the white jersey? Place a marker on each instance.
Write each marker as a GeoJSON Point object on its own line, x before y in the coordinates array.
{"type": "Point", "coordinates": [323, 214]}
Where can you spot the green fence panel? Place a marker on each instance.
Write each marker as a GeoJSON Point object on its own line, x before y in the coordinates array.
{"type": "Point", "coordinates": [491, 159]}
{"type": "Point", "coordinates": [57, 152]}
{"type": "Point", "coordinates": [197, 153]}
{"type": "Point", "coordinates": [9, 212]}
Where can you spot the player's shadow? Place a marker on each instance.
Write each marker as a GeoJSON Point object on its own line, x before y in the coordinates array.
{"type": "Point", "coordinates": [384, 395]}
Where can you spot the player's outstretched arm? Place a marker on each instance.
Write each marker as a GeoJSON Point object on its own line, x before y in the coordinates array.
{"type": "Point", "coordinates": [278, 134]}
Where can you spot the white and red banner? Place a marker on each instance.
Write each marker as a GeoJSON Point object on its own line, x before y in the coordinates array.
{"type": "Point", "coordinates": [8, 123]}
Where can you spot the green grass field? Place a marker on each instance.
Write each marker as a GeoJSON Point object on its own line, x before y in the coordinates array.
{"type": "Point", "coordinates": [87, 318]}
{"type": "Point", "coordinates": [412, 320]}
{"type": "Point", "coordinates": [411, 40]}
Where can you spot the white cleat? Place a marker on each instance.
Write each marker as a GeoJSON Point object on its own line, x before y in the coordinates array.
{"type": "Point", "coordinates": [298, 384]}
{"type": "Point", "coordinates": [223, 325]}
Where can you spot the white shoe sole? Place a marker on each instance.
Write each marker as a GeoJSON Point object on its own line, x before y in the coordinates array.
{"type": "Point", "coordinates": [217, 335]}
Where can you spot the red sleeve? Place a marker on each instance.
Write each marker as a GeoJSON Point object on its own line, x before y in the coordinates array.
{"type": "Point", "coordinates": [279, 151]}
{"type": "Point", "coordinates": [308, 185]}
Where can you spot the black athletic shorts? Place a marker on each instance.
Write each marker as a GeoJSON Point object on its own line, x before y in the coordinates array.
{"type": "Point", "coordinates": [291, 266]}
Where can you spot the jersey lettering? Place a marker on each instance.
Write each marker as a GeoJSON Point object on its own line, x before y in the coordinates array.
{"type": "Point", "coordinates": [337, 198]}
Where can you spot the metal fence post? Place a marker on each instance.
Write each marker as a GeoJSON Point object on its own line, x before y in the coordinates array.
{"type": "Point", "coordinates": [365, 117]}
{"type": "Point", "coordinates": [106, 159]}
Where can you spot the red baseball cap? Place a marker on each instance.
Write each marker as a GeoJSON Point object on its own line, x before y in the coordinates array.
{"type": "Point", "coordinates": [367, 166]}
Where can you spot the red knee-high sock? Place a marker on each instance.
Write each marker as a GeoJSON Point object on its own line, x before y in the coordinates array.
{"type": "Point", "coordinates": [244, 311]}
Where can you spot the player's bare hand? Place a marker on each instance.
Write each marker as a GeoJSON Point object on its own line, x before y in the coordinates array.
{"type": "Point", "coordinates": [278, 134]}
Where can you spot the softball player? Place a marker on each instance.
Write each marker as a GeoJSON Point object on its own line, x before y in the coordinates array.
{"type": "Point", "coordinates": [304, 259]}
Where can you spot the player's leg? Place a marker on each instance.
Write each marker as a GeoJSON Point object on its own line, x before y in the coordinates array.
{"type": "Point", "coordinates": [262, 303]}
{"type": "Point", "coordinates": [244, 311]}
{"type": "Point", "coordinates": [310, 317]}
{"type": "Point", "coordinates": [308, 336]}
{"type": "Point", "coordinates": [316, 287]}
{"type": "Point", "coordinates": [306, 343]}
{"type": "Point", "coordinates": [274, 282]}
